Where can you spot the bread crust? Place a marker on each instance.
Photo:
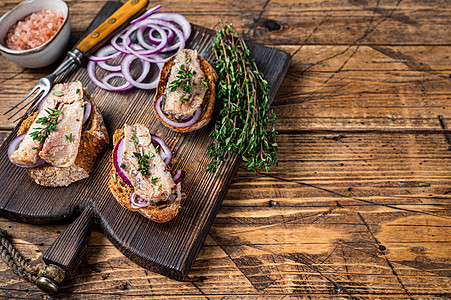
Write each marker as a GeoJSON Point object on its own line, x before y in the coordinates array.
{"type": "Point", "coordinates": [94, 139]}
{"type": "Point", "coordinates": [208, 103]}
{"type": "Point", "coordinates": [122, 193]}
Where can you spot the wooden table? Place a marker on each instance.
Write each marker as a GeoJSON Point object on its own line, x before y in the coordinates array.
{"type": "Point", "coordinates": [359, 206]}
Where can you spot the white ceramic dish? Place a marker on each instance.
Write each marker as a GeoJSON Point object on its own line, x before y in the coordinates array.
{"type": "Point", "coordinates": [48, 52]}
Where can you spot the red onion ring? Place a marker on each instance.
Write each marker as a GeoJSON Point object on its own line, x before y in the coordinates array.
{"type": "Point", "coordinates": [137, 202]}
{"type": "Point", "coordinates": [148, 13]}
{"type": "Point", "coordinates": [124, 87]}
{"type": "Point", "coordinates": [91, 68]}
{"type": "Point", "coordinates": [195, 118]}
{"type": "Point", "coordinates": [105, 54]}
{"type": "Point", "coordinates": [163, 148]}
{"type": "Point", "coordinates": [176, 18]}
{"type": "Point", "coordinates": [126, 63]}
{"type": "Point", "coordinates": [115, 43]}
{"type": "Point", "coordinates": [152, 49]}
{"type": "Point", "coordinates": [118, 160]}
{"type": "Point", "coordinates": [142, 52]}
{"type": "Point", "coordinates": [149, 58]}
{"type": "Point", "coordinates": [88, 108]}
{"type": "Point", "coordinates": [14, 145]}
{"type": "Point", "coordinates": [179, 176]}
{"type": "Point", "coordinates": [178, 33]}
{"type": "Point", "coordinates": [157, 40]}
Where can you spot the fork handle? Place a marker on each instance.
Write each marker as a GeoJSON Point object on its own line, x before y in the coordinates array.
{"type": "Point", "coordinates": [118, 20]}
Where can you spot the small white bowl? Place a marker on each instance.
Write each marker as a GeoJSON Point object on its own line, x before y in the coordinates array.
{"type": "Point", "coordinates": [45, 54]}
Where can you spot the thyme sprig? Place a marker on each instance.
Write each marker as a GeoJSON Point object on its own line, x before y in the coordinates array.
{"type": "Point", "coordinates": [246, 125]}
{"type": "Point", "coordinates": [48, 123]}
{"type": "Point", "coordinates": [184, 79]}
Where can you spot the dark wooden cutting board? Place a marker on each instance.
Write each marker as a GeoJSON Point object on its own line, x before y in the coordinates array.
{"type": "Point", "coordinates": [169, 248]}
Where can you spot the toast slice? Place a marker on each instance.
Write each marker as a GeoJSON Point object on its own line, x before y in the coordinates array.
{"type": "Point", "coordinates": [122, 192]}
{"type": "Point", "coordinates": [209, 100]}
{"type": "Point", "coordinates": [94, 139]}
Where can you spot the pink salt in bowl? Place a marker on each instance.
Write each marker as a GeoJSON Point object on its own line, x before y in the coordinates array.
{"type": "Point", "coordinates": [42, 55]}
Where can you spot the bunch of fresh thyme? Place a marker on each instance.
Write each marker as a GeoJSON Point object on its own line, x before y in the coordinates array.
{"type": "Point", "coordinates": [49, 123]}
{"type": "Point", "coordinates": [245, 125]}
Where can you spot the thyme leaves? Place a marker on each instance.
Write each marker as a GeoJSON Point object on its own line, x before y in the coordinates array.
{"type": "Point", "coordinates": [246, 125]}
{"type": "Point", "coordinates": [48, 123]}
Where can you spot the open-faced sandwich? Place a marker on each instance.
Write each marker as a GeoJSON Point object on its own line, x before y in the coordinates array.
{"type": "Point", "coordinates": [60, 142]}
{"type": "Point", "coordinates": [140, 178]}
{"type": "Point", "coordinates": [185, 96]}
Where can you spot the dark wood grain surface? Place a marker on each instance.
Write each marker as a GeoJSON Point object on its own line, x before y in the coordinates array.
{"type": "Point", "coordinates": [359, 206]}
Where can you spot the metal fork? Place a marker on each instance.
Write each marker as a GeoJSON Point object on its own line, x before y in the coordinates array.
{"type": "Point", "coordinates": [118, 20]}
{"type": "Point", "coordinates": [45, 84]}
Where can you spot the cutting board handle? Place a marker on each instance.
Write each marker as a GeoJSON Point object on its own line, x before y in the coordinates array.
{"type": "Point", "coordinates": [68, 249]}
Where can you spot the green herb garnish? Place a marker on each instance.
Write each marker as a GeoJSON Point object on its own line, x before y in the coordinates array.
{"type": "Point", "coordinates": [122, 166]}
{"type": "Point", "coordinates": [205, 83]}
{"type": "Point", "coordinates": [180, 119]}
{"type": "Point", "coordinates": [34, 148]}
{"type": "Point", "coordinates": [154, 180]}
{"type": "Point", "coordinates": [183, 80]}
{"type": "Point", "coordinates": [134, 139]}
{"type": "Point", "coordinates": [57, 93]}
{"type": "Point", "coordinates": [245, 125]}
{"type": "Point", "coordinates": [77, 91]}
{"type": "Point", "coordinates": [83, 106]}
{"type": "Point", "coordinates": [69, 138]}
{"type": "Point", "coordinates": [188, 60]}
{"type": "Point", "coordinates": [114, 176]}
{"type": "Point", "coordinates": [184, 99]}
{"type": "Point", "coordinates": [143, 161]}
{"type": "Point", "coordinates": [48, 123]}
{"type": "Point", "coordinates": [154, 204]}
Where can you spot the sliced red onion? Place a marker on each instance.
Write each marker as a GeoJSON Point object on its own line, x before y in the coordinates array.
{"type": "Point", "coordinates": [138, 202]}
{"type": "Point", "coordinates": [196, 116]}
{"type": "Point", "coordinates": [176, 18]}
{"type": "Point", "coordinates": [172, 198]}
{"type": "Point", "coordinates": [179, 176]}
{"type": "Point", "coordinates": [180, 35]}
{"type": "Point", "coordinates": [123, 87]}
{"type": "Point", "coordinates": [105, 54]}
{"type": "Point", "coordinates": [14, 145]}
{"type": "Point", "coordinates": [88, 108]}
{"type": "Point", "coordinates": [152, 58]}
{"type": "Point", "coordinates": [151, 48]}
{"type": "Point", "coordinates": [148, 13]}
{"type": "Point", "coordinates": [118, 160]}
{"type": "Point", "coordinates": [165, 151]}
{"type": "Point", "coordinates": [119, 46]}
{"type": "Point", "coordinates": [184, 119]}
{"type": "Point", "coordinates": [91, 68]}
{"type": "Point", "coordinates": [125, 64]}
{"type": "Point", "coordinates": [125, 43]}
{"type": "Point", "coordinates": [157, 40]}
